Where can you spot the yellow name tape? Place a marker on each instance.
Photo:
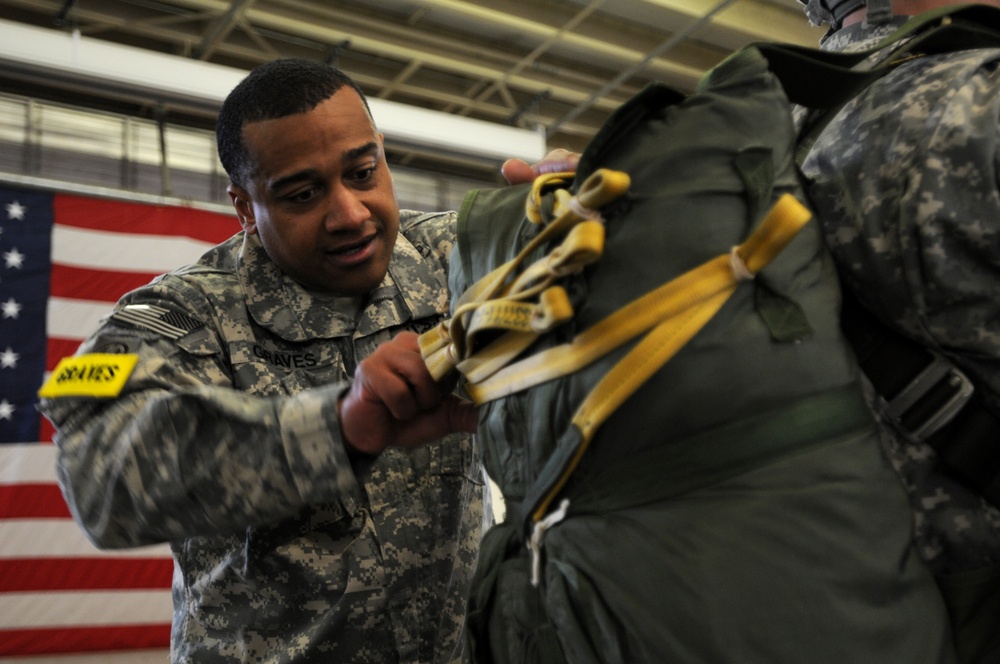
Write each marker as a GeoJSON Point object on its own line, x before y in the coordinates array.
{"type": "Point", "coordinates": [93, 375]}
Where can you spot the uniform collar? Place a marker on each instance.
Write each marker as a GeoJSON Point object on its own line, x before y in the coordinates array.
{"type": "Point", "coordinates": [411, 290]}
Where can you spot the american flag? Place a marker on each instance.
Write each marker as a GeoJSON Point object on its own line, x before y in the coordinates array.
{"type": "Point", "coordinates": [64, 260]}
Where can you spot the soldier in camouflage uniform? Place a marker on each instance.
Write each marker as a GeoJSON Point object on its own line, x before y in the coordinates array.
{"type": "Point", "coordinates": [905, 183]}
{"type": "Point", "coordinates": [306, 522]}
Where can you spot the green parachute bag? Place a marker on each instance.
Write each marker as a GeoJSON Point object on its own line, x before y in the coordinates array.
{"type": "Point", "coordinates": [668, 406]}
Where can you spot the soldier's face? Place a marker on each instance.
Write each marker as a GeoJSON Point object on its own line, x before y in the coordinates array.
{"type": "Point", "coordinates": [321, 196]}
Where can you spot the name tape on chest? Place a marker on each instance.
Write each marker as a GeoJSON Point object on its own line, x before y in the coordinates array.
{"type": "Point", "coordinates": [101, 375]}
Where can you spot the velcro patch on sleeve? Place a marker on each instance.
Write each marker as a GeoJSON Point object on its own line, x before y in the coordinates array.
{"type": "Point", "coordinates": [170, 324]}
{"type": "Point", "coordinates": [100, 375]}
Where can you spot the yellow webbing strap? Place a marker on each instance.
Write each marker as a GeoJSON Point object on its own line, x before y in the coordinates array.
{"type": "Point", "coordinates": [673, 301]}
{"type": "Point", "coordinates": [553, 307]}
{"type": "Point", "coordinates": [669, 315]}
{"type": "Point", "coordinates": [684, 305]}
{"type": "Point", "coordinates": [445, 346]}
{"type": "Point", "coordinates": [533, 319]}
{"type": "Point", "coordinates": [583, 245]}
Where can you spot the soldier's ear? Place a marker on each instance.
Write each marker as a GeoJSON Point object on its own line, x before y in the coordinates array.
{"type": "Point", "coordinates": [243, 204]}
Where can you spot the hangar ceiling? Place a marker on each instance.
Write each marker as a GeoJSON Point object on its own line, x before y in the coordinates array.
{"type": "Point", "coordinates": [555, 66]}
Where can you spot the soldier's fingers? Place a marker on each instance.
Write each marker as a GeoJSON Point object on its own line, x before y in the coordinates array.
{"type": "Point", "coordinates": [451, 415]}
{"type": "Point", "coordinates": [559, 160]}
{"type": "Point", "coordinates": [396, 377]}
{"type": "Point", "coordinates": [462, 415]}
{"type": "Point", "coordinates": [404, 358]}
{"type": "Point", "coordinates": [517, 171]}
{"type": "Point", "coordinates": [388, 388]}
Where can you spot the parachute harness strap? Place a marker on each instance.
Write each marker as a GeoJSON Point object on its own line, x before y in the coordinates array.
{"type": "Point", "coordinates": [583, 212]}
{"type": "Point", "coordinates": [523, 303]}
{"type": "Point", "coordinates": [665, 318]}
{"type": "Point", "coordinates": [669, 316]}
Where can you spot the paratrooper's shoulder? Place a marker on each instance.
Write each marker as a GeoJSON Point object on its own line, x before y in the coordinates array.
{"type": "Point", "coordinates": [412, 222]}
{"type": "Point", "coordinates": [433, 234]}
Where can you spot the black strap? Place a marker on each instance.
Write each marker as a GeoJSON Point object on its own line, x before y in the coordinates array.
{"type": "Point", "coordinates": [928, 399]}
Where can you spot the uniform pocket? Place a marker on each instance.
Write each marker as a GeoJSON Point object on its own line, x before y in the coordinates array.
{"type": "Point", "coordinates": [456, 455]}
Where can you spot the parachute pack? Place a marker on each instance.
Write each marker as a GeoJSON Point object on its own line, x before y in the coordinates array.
{"type": "Point", "coordinates": [667, 401]}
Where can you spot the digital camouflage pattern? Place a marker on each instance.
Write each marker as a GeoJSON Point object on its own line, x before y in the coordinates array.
{"type": "Point", "coordinates": [225, 443]}
{"type": "Point", "coordinates": [905, 183]}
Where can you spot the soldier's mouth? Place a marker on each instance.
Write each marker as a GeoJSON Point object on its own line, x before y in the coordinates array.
{"type": "Point", "coordinates": [354, 253]}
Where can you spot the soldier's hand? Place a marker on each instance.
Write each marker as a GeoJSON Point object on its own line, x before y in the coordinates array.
{"type": "Point", "coordinates": [517, 171]}
{"type": "Point", "coordinates": [394, 400]}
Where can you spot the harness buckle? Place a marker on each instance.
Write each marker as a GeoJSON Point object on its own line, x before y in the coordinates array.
{"type": "Point", "coordinates": [930, 400]}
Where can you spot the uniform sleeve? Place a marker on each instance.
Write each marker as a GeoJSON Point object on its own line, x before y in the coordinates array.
{"type": "Point", "coordinates": [906, 179]}
{"type": "Point", "coordinates": [181, 453]}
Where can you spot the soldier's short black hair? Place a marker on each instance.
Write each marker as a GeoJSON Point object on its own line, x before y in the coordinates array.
{"type": "Point", "coordinates": [273, 90]}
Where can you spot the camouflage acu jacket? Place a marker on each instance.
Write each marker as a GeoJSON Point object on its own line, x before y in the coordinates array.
{"type": "Point", "coordinates": [905, 183]}
{"type": "Point", "coordinates": [225, 443]}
